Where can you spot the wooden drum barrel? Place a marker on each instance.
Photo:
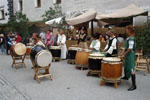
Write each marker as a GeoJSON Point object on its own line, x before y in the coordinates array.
{"type": "Point", "coordinates": [82, 58]}
{"type": "Point", "coordinates": [18, 49]}
{"type": "Point", "coordinates": [111, 70]}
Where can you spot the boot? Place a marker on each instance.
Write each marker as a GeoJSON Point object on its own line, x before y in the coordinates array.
{"type": "Point", "coordinates": [124, 78]}
{"type": "Point", "coordinates": [133, 87]}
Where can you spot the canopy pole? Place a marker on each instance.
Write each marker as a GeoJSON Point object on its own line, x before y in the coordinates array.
{"type": "Point", "coordinates": [92, 28]}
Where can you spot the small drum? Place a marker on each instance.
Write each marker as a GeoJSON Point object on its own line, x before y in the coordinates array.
{"type": "Point", "coordinates": [94, 63]}
{"type": "Point", "coordinates": [18, 49]}
{"type": "Point", "coordinates": [40, 56]}
{"type": "Point", "coordinates": [82, 57]}
{"type": "Point", "coordinates": [111, 69]}
{"type": "Point", "coordinates": [56, 51]}
{"type": "Point", "coordinates": [28, 50]}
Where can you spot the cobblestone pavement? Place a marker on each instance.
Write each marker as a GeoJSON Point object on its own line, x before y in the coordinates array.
{"type": "Point", "coordinates": [10, 92]}
{"type": "Point", "coordinates": [68, 84]}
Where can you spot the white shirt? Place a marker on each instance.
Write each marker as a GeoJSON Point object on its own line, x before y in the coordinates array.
{"type": "Point", "coordinates": [40, 43]}
{"type": "Point", "coordinates": [120, 39]}
{"type": "Point", "coordinates": [112, 47]}
{"type": "Point", "coordinates": [42, 35]}
{"type": "Point", "coordinates": [97, 46]}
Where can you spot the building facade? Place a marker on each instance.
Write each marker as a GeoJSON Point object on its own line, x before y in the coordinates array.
{"type": "Point", "coordinates": [3, 11]}
{"type": "Point", "coordinates": [34, 9]}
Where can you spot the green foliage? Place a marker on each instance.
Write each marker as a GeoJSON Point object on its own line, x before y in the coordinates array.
{"type": "Point", "coordinates": [53, 12]}
{"type": "Point", "coordinates": [143, 37]}
{"type": "Point", "coordinates": [56, 12]}
{"type": "Point", "coordinates": [18, 24]}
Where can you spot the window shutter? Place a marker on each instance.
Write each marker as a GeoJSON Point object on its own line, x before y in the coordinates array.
{"type": "Point", "coordinates": [35, 3]}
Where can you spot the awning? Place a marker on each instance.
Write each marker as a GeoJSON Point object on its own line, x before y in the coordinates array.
{"type": "Point", "coordinates": [85, 17]}
{"type": "Point", "coordinates": [56, 20]}
{"type": "Point", "coordinates": [130, 11]}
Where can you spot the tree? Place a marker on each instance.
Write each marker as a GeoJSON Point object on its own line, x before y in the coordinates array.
{"type": "Point", "coordinates": [143, 38]}
{"type": "Point", "coordinates": [18, 23]}
{"type": "Point", "coordinates": [52, 12]}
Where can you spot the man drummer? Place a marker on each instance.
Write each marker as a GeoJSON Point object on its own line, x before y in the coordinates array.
{"type": "Point", "coordinates": [61, 41]}
{"type": "Point", "coordinates": [37, 40]}
{"type": "Point", "coordinates": [95, 44]}
{"type": "Point", "coordinates": [111, 47]}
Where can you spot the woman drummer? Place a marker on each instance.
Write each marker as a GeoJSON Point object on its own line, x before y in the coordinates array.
{"type": "Point", "coordinates": [95, 44]}
{"type": "Point", "coordinates": [129, 56]}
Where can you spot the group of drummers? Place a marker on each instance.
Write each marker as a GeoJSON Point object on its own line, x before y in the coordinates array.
{"type": "Point", "coordinates": [110, 50]}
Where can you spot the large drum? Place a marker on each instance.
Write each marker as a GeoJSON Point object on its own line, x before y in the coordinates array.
{"type": "Point", "coordinates": [56, 51]}
{"type": "Point", "coordinates": [72, 52]}
{"type": "Point", "coordinates": [82, 58]}
{"type": "Point", "coordinates": [18, 49]}
{"type": "Point", "coordinates": [111, 70]}
{"type": "Point", "coordinates": [40, 56]}
{"type": "Point", "coordinates": [94, 63]}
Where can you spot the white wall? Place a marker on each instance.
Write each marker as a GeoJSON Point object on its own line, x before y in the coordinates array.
{"type": "Point", "coordinates": [32, 12]}
{"type": "Point", "coordinates": [3, 4]}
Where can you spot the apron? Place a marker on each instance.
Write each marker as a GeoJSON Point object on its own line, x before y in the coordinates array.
{"type": "Point", "coordinates": [129, 59]}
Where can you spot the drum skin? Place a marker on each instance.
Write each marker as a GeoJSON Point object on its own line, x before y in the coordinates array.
{"type": "Point", "coordinates": [18, 49]}
{"type": "Point", "coordinates": [82, 58]}
{"type": "Point", "coordinates": [94, 64]}
{"type": "Point", "coordinates": [35, 50]}
{"type": "Point", "coordinates": [71, 54]}
{"type": "Point", "coordinates": [111, 70]}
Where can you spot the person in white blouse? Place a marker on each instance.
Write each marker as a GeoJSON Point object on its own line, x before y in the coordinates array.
{"type": "Point", "coordinates": [95, 44]}
{"type": "Point", "coordinates": [111, 47]}
{"type": "Point", "coordinates": [61, 41]}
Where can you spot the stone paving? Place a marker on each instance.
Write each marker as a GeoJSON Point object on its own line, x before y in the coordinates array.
{"type": "Point", "coordinates": [68, 84]}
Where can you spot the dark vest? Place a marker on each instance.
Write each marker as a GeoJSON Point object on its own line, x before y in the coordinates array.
{"type": "Point", "coordinates": [115, 51]}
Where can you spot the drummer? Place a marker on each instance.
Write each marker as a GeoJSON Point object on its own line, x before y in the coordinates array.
{"type": "Point", "coordinates": [61, 41]}
{"type": "Point", "coordinates": [129, 56]}
{"type": "Point", "coordinates": [111, 47]}
{"type": "Point", "coordinates": [37, 40]}
{"type": "Point", "coordinates": [95, 44]}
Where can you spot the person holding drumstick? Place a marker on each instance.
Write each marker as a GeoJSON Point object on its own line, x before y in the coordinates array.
{"type": "Point", "coordinates": [95, 44]}
{"type": "Point", "coordinates": [129, 56]}
{"type": "Point", "coordinates": [37, 40]}
{"type": "Point", "coordinates": [61, 41]}
{"type": "Point", "coordinates": [111, 47]}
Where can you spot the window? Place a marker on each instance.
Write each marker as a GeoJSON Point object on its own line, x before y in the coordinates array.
{"type": "Point", "coordinates": [57, 1]}
{"type": "Point", "coordinates": [37, 3]}
{"type": "Point", "coordinates": [2, 16]}
{"type": "Point", "coordinates": [20, 5]}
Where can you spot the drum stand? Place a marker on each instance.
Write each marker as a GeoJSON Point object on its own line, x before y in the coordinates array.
{"type": "Point", "coordinates": [96, 72]}
{"type": "Point", "coordinates": [38, 75]}
{"type": "Point", "coordinates": [71, 61]}
{"type": "Point", "coordinates": [115, 81]}
{"type": "Point", "coordinates": [56, 58]}
{"type": "Point", "coordinates": [16, 61]}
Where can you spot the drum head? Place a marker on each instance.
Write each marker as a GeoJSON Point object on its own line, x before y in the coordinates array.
{"type": "Point", "coordinates": [55, 47]}
{"type": "Point", "coordinates": [97, 55]}
{"type": "Point", "coordinates": [87, 50]}
{"type": "Point", "coordinates": [112, 59]}
{"type": "Point", "coordinates": [44, 58]}
{"type": "Point", "coordinates": [20, 49]}
{"type": "Point", "coordinates": [73, 48]}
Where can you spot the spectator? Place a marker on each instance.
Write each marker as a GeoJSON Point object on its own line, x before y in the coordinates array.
{"type": "Point", "coordinates": [120, 38]}
{"type": "Point", "coordinates": [43, 36]}
{"type": "Point", "coordinates": [18, 38]}
{"type": "Point", "coordinates": [2, 43]}
{"type": "Point", "coordinates": [101, 38]}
